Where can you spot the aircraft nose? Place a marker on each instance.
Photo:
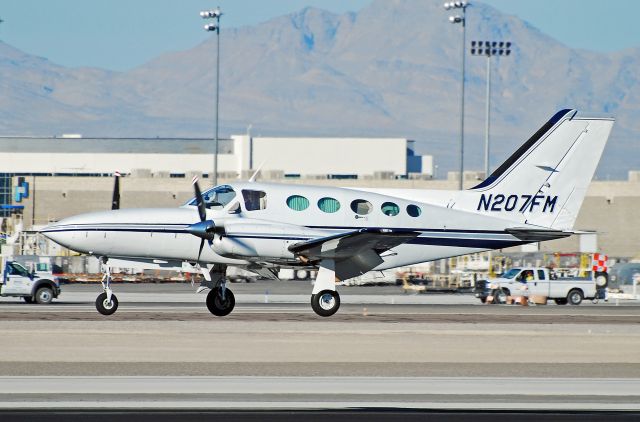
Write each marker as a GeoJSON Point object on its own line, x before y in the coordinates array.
{"type": "Point", "coordinates": [61, 232]}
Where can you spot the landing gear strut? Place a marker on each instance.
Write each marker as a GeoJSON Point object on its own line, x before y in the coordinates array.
{"type": "Point", "coordinates": [107, 302]}
{"type": "Point", "coordinates": [220, 300]}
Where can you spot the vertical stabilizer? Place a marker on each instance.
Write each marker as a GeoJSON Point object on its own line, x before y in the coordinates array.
{"type": "Point", "coordinates": [544, 182]}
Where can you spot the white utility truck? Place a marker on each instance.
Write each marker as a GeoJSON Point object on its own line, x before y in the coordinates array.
{"type": "Point", "coordinates": [17, 281]}
{"type": "Point", "coordinates": [541, 282]}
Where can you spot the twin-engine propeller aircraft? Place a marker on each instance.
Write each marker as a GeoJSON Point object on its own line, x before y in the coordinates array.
{"type": "Point", "coordinates": [535, 195]}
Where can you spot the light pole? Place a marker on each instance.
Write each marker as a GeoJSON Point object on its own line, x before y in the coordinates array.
{"type": "Point", "coordinates": [489, 49]}
{"type": "Point", "coordinates": [461, 19]}
{"type": "Point", "coordinates": [215, 27]}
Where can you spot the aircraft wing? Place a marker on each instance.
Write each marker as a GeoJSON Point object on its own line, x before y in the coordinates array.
{"type": "Point", "coordinates": [353, 253]}
{"type": "Point", "coordinates": [264, 272]}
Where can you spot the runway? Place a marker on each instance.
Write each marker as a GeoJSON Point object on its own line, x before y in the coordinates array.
{"type": "Point", "coordinates": [318, 393]}
{"type": "Point", "coordinates": [384, 349]}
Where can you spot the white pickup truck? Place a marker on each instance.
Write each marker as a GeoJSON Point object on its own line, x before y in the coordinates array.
{"type": "Point", "coordinates": [529, 281]}
{"type": "Point", "coordinates": [39, 287]}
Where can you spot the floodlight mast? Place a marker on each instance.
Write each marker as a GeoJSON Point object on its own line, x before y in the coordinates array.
{"type": "Point", "coordinates": [461, 19]}
{"type": "Point", "coordinates": [489, 49]}
{"type": "Point", "coordinates": [215, 27]}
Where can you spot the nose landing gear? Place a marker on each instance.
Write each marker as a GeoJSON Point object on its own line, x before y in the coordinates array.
{"type": "Point", "coordinates": [106, 302]}
{"type": "Point", "coordinates": [220, 300]}
{"type": "Point", "coordinates": [105, 305]}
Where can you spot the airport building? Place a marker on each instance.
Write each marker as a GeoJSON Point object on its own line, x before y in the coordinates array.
{"type": "Point", "coordinates": [339, 158]}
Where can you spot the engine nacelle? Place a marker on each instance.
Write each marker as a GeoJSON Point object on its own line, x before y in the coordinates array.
{"type": "Point", "coordinates": [257, 238]}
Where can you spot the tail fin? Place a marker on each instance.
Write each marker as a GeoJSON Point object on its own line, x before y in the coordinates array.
{"type": "Point", "coordinates": [544, 182]}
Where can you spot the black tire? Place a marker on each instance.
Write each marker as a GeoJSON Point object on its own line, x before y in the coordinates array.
{"type": "Point", "coordinates": [561, 301]}
{"type": "Point", "coordinates": [325, 303]}
{"type": "Point", "coordinates": [27, 299]}
{"type": "Point", "coordinates": [44, 295]}
{"type": "Point", "coordinates": [216, 305]}
{"type": "Point", "coordinates": [483, 299]}
{"type": "Point", "coordinates": [106, 308]}
{"type": "Point", "coordinates": [575, 297]}
{"type": "Point", "coordinates": [501, 296]}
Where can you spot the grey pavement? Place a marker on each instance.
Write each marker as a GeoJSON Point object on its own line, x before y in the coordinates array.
{"type": "Point", "coordinates": [320, 392]}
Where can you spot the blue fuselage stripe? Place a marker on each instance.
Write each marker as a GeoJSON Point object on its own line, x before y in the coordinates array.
{"type": "Point", "coordinates": [432, 237]}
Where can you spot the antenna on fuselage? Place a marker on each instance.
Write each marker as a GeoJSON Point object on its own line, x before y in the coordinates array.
{"type": "Point", "coordinates": [255, 174]}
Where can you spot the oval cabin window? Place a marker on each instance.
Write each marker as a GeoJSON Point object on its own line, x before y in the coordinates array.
{"type": "Point", "coordinates": [414, 210]}
{"type": "Point", "coordinates": [362, 207]}
{"type": "Point", "coordinates": [297, 203]}
{"type": "Point", "coordinates": [329, 205]}
{"type": "Point", "coordinates": [390, 209]}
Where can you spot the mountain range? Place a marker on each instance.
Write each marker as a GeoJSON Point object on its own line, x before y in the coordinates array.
{"type": "Point", "coordinates": [391, 69]}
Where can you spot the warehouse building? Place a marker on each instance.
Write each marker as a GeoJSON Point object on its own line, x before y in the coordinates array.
{"type": "Point", "coordinates": [292, 157]}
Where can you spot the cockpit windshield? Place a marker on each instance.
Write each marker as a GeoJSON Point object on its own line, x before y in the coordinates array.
{"type": "Point", "coordinates": [216, 198]}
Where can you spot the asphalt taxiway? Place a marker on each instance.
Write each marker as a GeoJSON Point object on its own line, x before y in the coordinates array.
{"type": "Point", "coordinates": [162, 349]}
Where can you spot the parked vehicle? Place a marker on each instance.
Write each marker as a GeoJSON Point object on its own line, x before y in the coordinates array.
{"type": "Point", "coordinates": [39, 287]}
{"type": "Point", "coordinates": [530, 281]}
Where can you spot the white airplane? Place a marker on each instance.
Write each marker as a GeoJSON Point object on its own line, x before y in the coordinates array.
{"type": "Point", "coordinates": [535, 195]}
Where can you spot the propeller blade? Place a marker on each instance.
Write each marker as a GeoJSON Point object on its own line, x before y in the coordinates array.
{"type": "Point", "coordinates": [115, 201]}
{"type": "Point", "coordinates": [200, 250]}
{"type": "Point", "coordinates": [202, 211]}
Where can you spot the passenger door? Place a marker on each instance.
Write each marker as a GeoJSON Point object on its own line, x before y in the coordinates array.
{"type": "Point", "coordinates": [520, 285]}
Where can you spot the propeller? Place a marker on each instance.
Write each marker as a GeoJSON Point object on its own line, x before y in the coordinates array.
{"type": "Point", "coordinates": [115, 201]}
{"type": "Point", "coordinates": [204, 229]}
{"type": "Point", "coordinates": [202, 211]}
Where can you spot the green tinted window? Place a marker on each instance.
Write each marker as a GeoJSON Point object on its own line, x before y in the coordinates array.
{"type": "Point", "coordinates": [329, 205]}
{"type": "Point", "coordinates": [297, 202]}
{"type": "Point", "coordinates": [390, 209]}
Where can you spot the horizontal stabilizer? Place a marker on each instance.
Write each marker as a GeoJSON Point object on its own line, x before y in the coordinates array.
{"type": "Point", "coordinates": [537, 235]}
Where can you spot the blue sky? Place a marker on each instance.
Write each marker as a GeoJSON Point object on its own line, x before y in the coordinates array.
{"type": "Point", "coordinates": [121, 34]}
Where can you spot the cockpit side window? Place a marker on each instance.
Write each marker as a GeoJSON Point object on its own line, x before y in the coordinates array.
{"type": "Point", "coordinates": [254, 199]}
{"type": "Point", "coordinates": [217, 198]}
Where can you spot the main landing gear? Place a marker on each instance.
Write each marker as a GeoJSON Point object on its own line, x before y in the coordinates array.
{"type": "Point", "coordinates": [106, 302]}
{"type": "Point", "coordinates": [325, 301]}
{"type": "Point", "coordinates": [220, 300]}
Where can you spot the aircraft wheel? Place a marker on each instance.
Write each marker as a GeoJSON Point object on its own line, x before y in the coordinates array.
{"type": "Point", "coordinates": [501, 296]}
{"type": "Point", "coordinates": [219, 306]}
{"type": "Point", "coordinates": [325, 303]}
{"type": "Point", "coordinates": [104, 307]}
